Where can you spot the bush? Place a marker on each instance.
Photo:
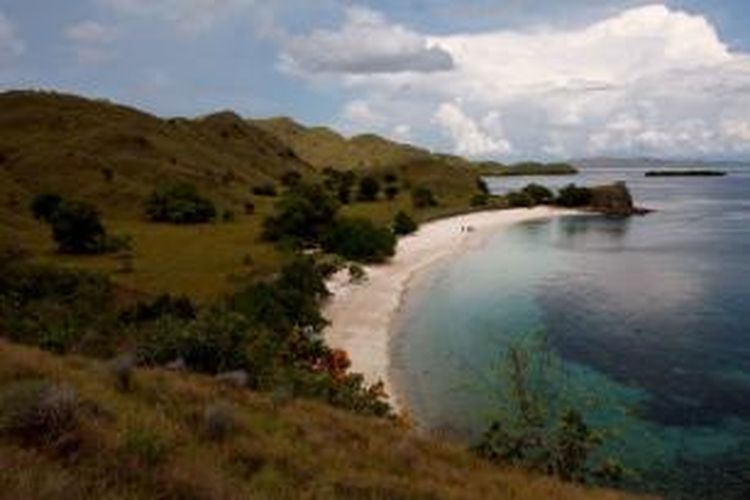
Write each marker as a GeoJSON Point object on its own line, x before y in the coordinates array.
{"type": "Point", "coordinates": [38, 413]}
{"type": "Point", "coordinates": [44, 206]}
{"type": "Point", "coordinates": [369, 188]}
{"type": "Point", "coordinates": [423, 197]}
{"type": "Point", "coordinates": [180, 307]}
{"type": "Point", "coordinates": [77, 229]}
{"type": "Point", "coordinates": [518, 199]}
{"type": "Point", "coordinates": [291, 178]}
{"type": "Point", "coordinates": [403, 224]}
{"type": "Point", "coordinates": [391, 192]}
{"type": "Point", "coordinates": [179, 204]}
{"type": "Point", "coordinates": [573, 196]}
{"type": "Point", "coordinates": [359, 239]}
{"type": "Point", "coordinates": [249, 207]}
{"type": "Point", "coordinates": [480, 200]}
{"type": "Point", "coordinates": [540, 194]}
{"type": "Point", "coordinates": [228, 216]}
{"type": "Point", "coordinates": [265, 189]}
{"type": "Point", "coordinates": [215, 342]}
{"type": "Point", "coordinates": [301, 215]}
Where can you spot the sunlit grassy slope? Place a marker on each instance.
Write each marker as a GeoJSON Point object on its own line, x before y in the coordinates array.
{"type": "Point", "coordinates": [113, 156]}
{"type": "Point", "coordinates": [152, 442]}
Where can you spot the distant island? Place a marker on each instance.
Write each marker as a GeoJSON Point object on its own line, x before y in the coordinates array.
{"type": "Point", "coordinates": [526, 168]}
{"type": "Point", "coordinates": [685, 173]}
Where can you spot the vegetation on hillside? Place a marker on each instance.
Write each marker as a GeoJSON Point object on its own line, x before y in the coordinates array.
{"type": "Point", "coordinates": [526, 168]}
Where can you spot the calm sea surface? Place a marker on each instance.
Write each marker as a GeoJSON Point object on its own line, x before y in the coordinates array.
{"type": "Point", "coordinates": [651, 316]}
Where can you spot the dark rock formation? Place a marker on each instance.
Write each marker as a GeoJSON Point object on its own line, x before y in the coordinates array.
{"type": "Point", "coordinates": [614, 199]}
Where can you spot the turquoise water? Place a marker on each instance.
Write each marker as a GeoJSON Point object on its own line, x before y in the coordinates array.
{"type": "Point", "coordinates": [650, 316]}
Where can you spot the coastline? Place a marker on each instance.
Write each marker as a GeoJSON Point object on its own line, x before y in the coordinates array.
{"type": "Point", "coordinates": [362, 315]}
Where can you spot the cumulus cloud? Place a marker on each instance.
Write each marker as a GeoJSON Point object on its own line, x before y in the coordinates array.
{"type": "Point", "coordinates": [648, 81]}
{"type": "Point", "coordinates": [470, 138]}
{"type": "Point", "coordinates": [11, 46]}
{"type": "Point", "coordinates": [91, 41]}
{"type": "Point", "coordinates": [189, 16]}
{"type": "Point", "coordinates": [367, 43]}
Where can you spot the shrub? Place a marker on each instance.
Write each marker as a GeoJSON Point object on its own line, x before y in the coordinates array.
{"type": "Point", "coordinates": [390, 178]}
{"type": "Point", "coordinates": [518, 199]}
{"type": "Point", "coordinates": [359, 239]}
{"type": "Point", "coordinates": [291, 178]}
{"type": "Point", "coordinates": [44, 206]}
{"type": "Point", "coordinates": [574, 196]}
{"type": "Point", "coordinates": [357, 273]}
{"type": "Point", "coordinates": [391, 192]}
{"type": "Point", "coordinates": [228, 216]}
{"type": "Point", "coordinates": [180, 307]}
{"type": "Point", "coordinates": [301, 215]}
{"type": "Point", "coordinates": [403, 224]}
{"type": "Point", "coordinates": [538, 193]}
{"type": "Point", "coordinates": [38, 413]}
{"type": "Point", "coordinates": [265, 189]}
{"type": "Point", "coordinates": [249, 207]}
{"type": "Point", "coordinates": [369, 188]}
{"type": "Point", "coordinates": [218, 421]}
{"type": "Point", "coordinates": [179, 203]}
{"type": "Point", "coordinates": [423, 197]}
{"type": "Point", "coordinates": [480, 200]}
{"type": "Point", "coordinates": [77, 229]}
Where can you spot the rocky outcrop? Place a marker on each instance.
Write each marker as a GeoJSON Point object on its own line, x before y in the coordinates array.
{"type": "Point", "coordinates": [614, 199]}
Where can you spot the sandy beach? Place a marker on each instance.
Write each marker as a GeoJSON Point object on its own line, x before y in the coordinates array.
{"type": "Point", "coordinates": [362, 314]}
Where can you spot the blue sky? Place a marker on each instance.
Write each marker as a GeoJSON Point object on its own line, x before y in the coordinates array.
{"type": "Point", "coordinates": [504, 79]}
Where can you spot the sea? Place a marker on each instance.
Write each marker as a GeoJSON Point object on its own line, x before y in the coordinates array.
{"type": "Point", "coordinates": [648, 318]}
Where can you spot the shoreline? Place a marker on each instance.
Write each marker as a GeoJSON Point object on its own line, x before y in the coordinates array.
{"type": "Point", "coordinates": [362, 315]}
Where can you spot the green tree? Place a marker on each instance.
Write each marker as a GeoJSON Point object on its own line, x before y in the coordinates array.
{"type": "Point", "coordinates": [369, 188]}
{"type": "Point", "coordinates": [77, 228]}
{"type": "Point", "coordinates": [359, 239]}
{"type": "Point", "coordinates": [538, 193]}
{"type": "Point", "coordinates": [573, 196]}
{"type": "Point", "coordinates": [44, 206]}
{"type": "Point", "coordinates": [403, 224]}
{"type": "Point", "coordinates": [301, 215]}
{"type": "Point", "coordinates": [422, 197]}
{"type": "Point", "coordinates": [179, 203]}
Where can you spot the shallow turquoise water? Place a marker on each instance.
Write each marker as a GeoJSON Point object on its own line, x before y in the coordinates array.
{"type": "Point", "coordinates": [650, 316]}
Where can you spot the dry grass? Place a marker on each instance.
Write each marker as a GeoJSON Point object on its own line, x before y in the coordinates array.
{"type": "Point", "coordinates": [150, 443]}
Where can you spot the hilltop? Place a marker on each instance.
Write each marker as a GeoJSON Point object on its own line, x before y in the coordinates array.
{"type": "Point", "coordinates": [326, 148]}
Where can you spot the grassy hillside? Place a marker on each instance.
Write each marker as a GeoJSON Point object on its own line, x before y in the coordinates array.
{"type": "Point", "coordinates": [113, 156]}
{"type": "Point", "coordinates": [325, 148]}
{"type": "Point", "coordinates": [188, 436]}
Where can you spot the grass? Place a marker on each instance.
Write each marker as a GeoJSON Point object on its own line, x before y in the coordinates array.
{"type": "Point", "coordinates": [151, 443]}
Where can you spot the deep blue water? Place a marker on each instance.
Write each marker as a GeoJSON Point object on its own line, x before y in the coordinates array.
{"type": "Point", "coordinates": [651, 316]}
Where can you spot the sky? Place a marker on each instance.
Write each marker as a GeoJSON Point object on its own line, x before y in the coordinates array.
{"type": "Point", "coordinates": [487, 79]}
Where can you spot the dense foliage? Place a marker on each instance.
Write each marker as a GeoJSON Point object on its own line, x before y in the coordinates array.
{"type": "Point", "coordinates": [301, 215]}
{"type": "Point", "coordinates": [369, 188]}
{"type": "Point", "coordinates": [573, 196]}
{"type": "Point", "coordinates": [403, 224]}
{"type": "Point", "coordinates": [270, 330]}
{"type": "Point", "coordinates": [359, 239]}
{"type": "Point", "coordinates": [179, 203]}
{"type": "Point", "coordinates": [422, 197]}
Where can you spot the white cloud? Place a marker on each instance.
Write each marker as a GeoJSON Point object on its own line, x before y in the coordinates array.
{"type": "Point", "coordinates": [189, 16]}
{"type": "Point", "coordinates": [90, 32]}
{"type": "Point", "coordinates": [367, 43]}
{"type": "Point", "coordinates": [470, 138]}
{"type": "Point", "coordinates": [91, 41]}
{"type": "Point", "coordinates": [11, 46]}
{"type": "Point", "coordinates": [649, 80]}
